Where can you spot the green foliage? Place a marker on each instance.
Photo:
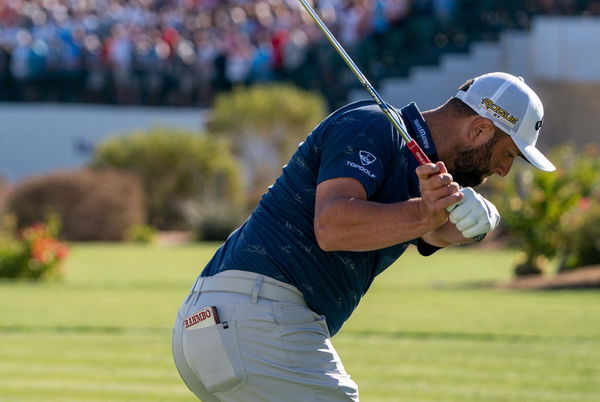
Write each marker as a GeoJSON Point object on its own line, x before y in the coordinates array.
{"type": "Point", "coordinates": [143, 234]}
{"type": "Point", "coordinates": [542, 211]}
{"type": "Point", "coordinates": [179, 169]}
{"type": "Point", "coordinates": [280, 113]}
{"type": "Point", "coordinates": [91, 205]}
{"type": "Point", "coordinates": [265, 124]}
{"type": "Point", "coordinates": [35, 253]}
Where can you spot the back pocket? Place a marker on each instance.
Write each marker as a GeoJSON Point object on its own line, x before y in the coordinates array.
{"type": "Point", "coordinates": [213, 353]}
{"type": "Point", "coordinates": [305, 338]}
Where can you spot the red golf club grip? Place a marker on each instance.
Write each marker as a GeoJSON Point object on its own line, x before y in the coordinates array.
{"type": "Point", "coordinates": [418, 152]}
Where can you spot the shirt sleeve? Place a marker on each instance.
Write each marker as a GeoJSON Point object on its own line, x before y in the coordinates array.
{"type": "Point", "coordinates": [357, 149]}
{"type": "Point", "coordinates": [426, 249]}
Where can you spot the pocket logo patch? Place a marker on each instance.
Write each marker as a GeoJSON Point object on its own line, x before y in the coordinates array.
{"type": "Point", "coordinates": [203, 318]}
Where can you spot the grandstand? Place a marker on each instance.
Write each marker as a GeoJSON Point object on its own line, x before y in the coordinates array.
{"type": "Point", "coordinates": [180, 53]}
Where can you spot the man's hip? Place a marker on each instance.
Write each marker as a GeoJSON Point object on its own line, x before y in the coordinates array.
{"type": "Point", "coordinates": [264, 345]}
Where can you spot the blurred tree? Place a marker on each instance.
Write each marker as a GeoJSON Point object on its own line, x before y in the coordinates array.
{"type": "Point", "coordinates": [182, 172]}
{"type": "Point", "coordinates": [265, 124]}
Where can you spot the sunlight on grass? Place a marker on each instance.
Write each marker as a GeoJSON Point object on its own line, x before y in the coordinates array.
{"type": "Point", "coordinates": [430, 329]}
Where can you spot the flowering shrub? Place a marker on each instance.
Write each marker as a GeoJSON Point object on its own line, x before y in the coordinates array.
{"type": "Point", "coordinates": [582, 234]}
{"type": "Point", "coordinates": [554, 215]}
{"type": "Point", "coordinates": [34, 253]}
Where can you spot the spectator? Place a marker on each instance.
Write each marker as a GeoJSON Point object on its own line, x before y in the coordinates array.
{"type": "Point", "coordinates": [207, 49]}
{"type": "Point", "coordinates": [239, 59]}
{"type": "Point", "coordinates": [21, 67]}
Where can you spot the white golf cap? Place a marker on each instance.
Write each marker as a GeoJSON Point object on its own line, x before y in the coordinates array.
{"type": "Point", "coordinates": [514, 108]}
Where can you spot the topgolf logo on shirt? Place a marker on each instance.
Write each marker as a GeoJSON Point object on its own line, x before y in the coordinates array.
{"type": "Point", "coordinates": [361, 168]}
{"type": "Point", "coordinates": [366, 158]}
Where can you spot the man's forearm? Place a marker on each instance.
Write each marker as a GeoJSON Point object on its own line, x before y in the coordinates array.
{"type": "Point", "coordinates": [358, 225]}
{"type": "Point", "coordinates": [346, 221]}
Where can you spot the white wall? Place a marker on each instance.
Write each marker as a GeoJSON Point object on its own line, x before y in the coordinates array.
{"type": "Point", "coordinates": [566, 49]}
{"type": "Point", "coordinates": [36, 138]}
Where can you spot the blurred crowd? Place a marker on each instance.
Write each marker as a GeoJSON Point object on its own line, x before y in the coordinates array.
{"type": "Point", "coordinates": [182, 52]}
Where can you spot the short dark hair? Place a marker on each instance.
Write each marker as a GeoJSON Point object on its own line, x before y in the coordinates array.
{"type": "Point", "coordinates": [457, 107]}
{"type": "Point", "coordinates": [464, 87]}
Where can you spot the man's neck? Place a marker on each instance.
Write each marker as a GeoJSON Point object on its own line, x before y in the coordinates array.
{"type": "Point", "coordinates": [442, 132]}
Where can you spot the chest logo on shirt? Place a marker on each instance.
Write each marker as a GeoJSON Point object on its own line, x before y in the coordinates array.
{"type": "Point", "coordinates": [366, 158]}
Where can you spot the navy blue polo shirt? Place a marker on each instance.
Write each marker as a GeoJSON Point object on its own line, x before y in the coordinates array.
{"type": "Point", "coordinates": [278, 239]}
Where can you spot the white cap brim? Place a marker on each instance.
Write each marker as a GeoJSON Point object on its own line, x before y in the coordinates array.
{"type": "Point", "coordinates": [534, 156]}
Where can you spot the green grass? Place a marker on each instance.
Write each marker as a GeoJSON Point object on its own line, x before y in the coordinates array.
{"type": "Point", "coordinates": [430, 329]}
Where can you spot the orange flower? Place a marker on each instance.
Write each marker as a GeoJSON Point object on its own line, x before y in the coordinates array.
{"type": "Point", "coordinates": [61, 251]}
{"type": "Point", "coordinates": [42, 249]}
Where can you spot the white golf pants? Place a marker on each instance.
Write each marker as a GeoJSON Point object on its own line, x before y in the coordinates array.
{"type": "Point", "coordinates": [268, 345]}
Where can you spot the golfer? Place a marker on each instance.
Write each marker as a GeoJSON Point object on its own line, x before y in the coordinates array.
{"type": "Point", "coordinates": [258, 322]}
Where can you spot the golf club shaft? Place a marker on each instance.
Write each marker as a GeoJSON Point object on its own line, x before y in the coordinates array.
{"type": "Point", "coordinates": [389, 112]}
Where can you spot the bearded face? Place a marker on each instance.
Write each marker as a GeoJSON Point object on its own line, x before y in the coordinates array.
{"type": "Point", "coordinates": [471, 167]}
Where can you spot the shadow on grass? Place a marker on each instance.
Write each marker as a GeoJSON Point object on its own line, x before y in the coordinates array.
{"type": "Point", "coordinates": [471, 336]}
{"type": "Point", "coordinates": [79, 329]}
{"type": "Point", "coordinates": [466, 285]}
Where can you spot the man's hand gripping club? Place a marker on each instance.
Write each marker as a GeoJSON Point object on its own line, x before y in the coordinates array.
{"type": "Point", "coordinates": [472, 214]}
{"type": "Point", "coordinates": [438, 193]}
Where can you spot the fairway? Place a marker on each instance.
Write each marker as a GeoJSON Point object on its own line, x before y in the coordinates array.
{"type": "Point", "coordinates": [430, 329]}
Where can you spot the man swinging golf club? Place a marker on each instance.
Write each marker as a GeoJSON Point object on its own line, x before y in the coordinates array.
{"type": "Point", "coordinates": [258, 321]}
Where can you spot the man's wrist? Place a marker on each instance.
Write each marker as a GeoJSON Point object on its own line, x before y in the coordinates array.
{"type": "Point", "coordinates": [427, 221]}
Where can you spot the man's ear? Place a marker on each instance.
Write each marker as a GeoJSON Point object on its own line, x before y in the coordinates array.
{"type": "Point", "coordinates": [481, 130]}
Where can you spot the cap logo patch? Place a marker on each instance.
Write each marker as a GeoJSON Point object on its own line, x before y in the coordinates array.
{"type": "Point", "coordinates": [366, 158]}
{"type": "Point", "coordinates": [498, 111]}
{"type": "Point", "coordinates": [538, 125]}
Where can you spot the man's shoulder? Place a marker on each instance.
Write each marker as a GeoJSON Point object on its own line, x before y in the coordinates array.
{"type": "Point", "coordinates": [365, 105]}
{"type": "Point", "coordinates": [363, 115]}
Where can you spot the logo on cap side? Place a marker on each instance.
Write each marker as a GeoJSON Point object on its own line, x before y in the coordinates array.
{"type": "Point", "coordinates": [499, 111]}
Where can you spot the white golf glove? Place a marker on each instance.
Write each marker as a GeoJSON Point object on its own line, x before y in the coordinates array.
{"type": "Point", "coordinates": [474, 215]}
